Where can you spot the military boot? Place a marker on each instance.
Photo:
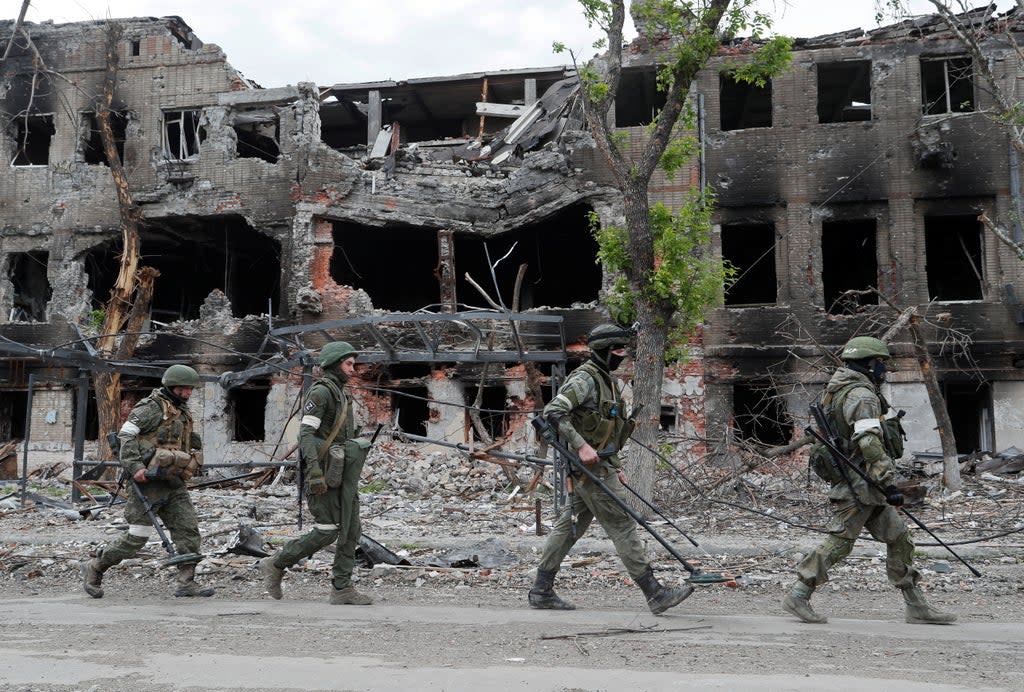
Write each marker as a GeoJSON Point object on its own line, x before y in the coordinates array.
{"type": "Point", "coordinates": [543, 595]}
{"type": "Point", "coordinates": [920, 613]}
{"type": "Point", "coordinates": [349, 596]}
{"type": "Point", "coordinates": [187, 586]}
{"type": "Point", "coordinates": [92, 576]}
{"type": "Point", "coordinates": [272, 575]}
{"type": "Point", "coordinates": [798, 602]}
{"type": "Point", "coordinates": [659, 597]}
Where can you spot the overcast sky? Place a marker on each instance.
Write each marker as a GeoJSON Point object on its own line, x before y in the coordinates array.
{"type": "Point", "coordinates": [278, 42]}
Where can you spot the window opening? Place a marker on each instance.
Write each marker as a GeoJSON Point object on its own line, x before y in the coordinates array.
{"type": "Point", "coordinates": [848, 263]}
{"type": "Point", "coordinates": [750, 249]}
{"type": "Point", "coordinates": [667, 422]}
{"type": "Point", "coordinates": [32, 290]}
{"type": "Point", "coordinates": [969, 405]}
{"type": "Point", "coordinates": [493, 404]}
{"type": "Point", "coordinates": [32, 137]}
{"type": "Point", "coordinates": [257, 136]}
{"type": "Point", "coordinates": [638, 99]}
{"type": "Point", "coordinates": [93, 152]}
{"type": "Point", "coordinates": [947, 85]}
{"type": "Point", "coordinates": [413, 408]}
{"type": "Point", "coordinates": [247, 406]}
{"type": "Point", "coordinates": [182, 134]}
{"type": "Point", "coordinates": [136, 48]}
{"type": "Point", "coordinates": [13, 407]}
{"type": "Point", "coordinates": [744, 105]}
{"type": "Point", "coordinates": [953, 257]}
{"type": "Point", "coordinates": [844, 91]}
{"type": "Point", "coordinates": [759, 414]}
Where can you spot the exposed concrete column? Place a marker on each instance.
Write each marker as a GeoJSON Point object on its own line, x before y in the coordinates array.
{"type": "Point", "coordinates": [797, 273]}
{"type": "Point", "coordinates": [445, 422]}
{"type": "Point", "coordinates": [610, 212]}
{"type": "Point", "coordinates": [529, 92]}
{"type": "Point", "coordinates": [374, 117]}
{"type": "Point", "coordinates": [906, 256]}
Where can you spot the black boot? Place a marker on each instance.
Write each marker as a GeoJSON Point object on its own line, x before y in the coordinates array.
{"type": "Point", "coordinates": [187, 585]}
{"type": "Point", "coordinates": [543, 595]}
{"type": "Point", "coordinates": [659, 597]}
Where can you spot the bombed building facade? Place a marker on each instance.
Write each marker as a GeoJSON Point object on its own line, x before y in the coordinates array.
{"type": "Point", "coordinates": [443, 225]}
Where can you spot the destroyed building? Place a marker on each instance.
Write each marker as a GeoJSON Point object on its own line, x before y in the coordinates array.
{"type": "Point", "coordinates": [375, 212]}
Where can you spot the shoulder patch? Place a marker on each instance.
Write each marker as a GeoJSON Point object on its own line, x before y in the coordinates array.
{"type": "Point", "coordinates": [309, 406]}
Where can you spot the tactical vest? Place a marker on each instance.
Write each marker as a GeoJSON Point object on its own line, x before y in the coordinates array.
{"type": "Point", "coordinates": [174, 430]}
{"type": "Point", "coordinates": [606, 423]}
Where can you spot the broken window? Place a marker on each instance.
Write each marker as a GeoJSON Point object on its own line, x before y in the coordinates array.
{"type": "Point", "coordinates": [638, 99]}
{"type": "Point", "coordinates": [13, 409]}
{"type": "Point", "coordinates": [92, 149]}
{"type": "Point", "coordinates": [759, 414]}
{"type": "Point", "coordinates": [136, 48]}
{"type": "Point", "coordinates": [412, 406]}
{"type": "Point", "coordinates": [32, 290]}
{"type": "Point", "coordinates": [258, 134]}
{"type": "Point", "coordinates": [844, 91]}
{"type": "Point", "coordinates": [750, 249]}
{"type": "Point", "coordinates": [559, 253]}
{"type": "Point", "coordinates": [32, 135]}
{"type": "Point", "coordinates": [744, 105]}
{"type": "Point", "coordinates": [947, 85]}
{"type": "Point", "coordinates": [247, 408]}
{"type": "Point", "coordinates": [953, 257]}
{"type": "Point", "coordinates": [667, 421]}
{"type": "Point", "coordinates": [196, 255]}
{"type": "Point", "coordinates": [969, 405]}
{"type": "Point", "coordinates": [493, 407]}
{"type": "Point", "coordinates": [848, 263]}
{"type": "Point", "coordinates": [182, 134]}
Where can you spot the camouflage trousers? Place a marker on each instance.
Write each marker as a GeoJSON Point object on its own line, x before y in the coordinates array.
{"type": "Point", "coordinates": [590, 502]}
{"type": "Point", "coordinates": [336, 520]}
{"type": "Point", "coordinates": [175, 510]}
{"type": "Point", "coordinates": [883, 523]}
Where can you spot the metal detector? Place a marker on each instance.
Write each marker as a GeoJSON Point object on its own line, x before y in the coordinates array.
{"type": "Point", "coordinates": [173, 558]}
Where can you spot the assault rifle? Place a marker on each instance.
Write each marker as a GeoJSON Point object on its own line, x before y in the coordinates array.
{"type": "Point", "coordinates": [846, 463]}
{"type": "Point", "coordinates": [818, 412]}
{"type": "Point", "coordinates": [548, 432]}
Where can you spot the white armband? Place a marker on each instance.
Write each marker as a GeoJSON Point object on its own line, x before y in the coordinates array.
{"type": "Point", "coordinates": [311, 421]}
{"type": "Point", "coordinates": [140, 530]}
{"type": "Point", "coordinates": [129, 429]}
{"type": "Point", "coordinates": [865, 424]}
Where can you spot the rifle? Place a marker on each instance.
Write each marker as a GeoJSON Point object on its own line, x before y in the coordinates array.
{"type": "Point", "coordinates": [818, 412]}
{"type": "Point", "coordinates": [872, 483]}
{"type": "Point", "coordinates": [547, 431]}
{"type": "Point", "coordinates": [173, 558]}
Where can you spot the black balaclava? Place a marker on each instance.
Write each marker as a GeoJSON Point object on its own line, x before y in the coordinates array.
{"type": "Point", "coordinates": [874, 368]}
{"type": "Point", "coordinates": [175, 399]}
{"type": "Point", "coordinates": [606, 359]}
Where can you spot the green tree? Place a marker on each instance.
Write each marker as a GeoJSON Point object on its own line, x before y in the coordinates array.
{"type": "Point", "coordinates": [666, 275]}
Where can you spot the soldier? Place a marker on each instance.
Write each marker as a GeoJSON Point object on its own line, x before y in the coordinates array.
{"type": "Point", "coordinates": [158, 436]}
{"type": "Point", "coordinates": [590, 415]}
{"type": "Point", "coordinates": [855, 409]}
{"type": "Point", "coordinates": [331, 472]}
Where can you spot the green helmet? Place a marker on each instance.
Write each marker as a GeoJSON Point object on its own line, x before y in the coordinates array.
{"type": "Point", "coordinates": [180, 376]}
{"type": "Point", "coordinates": [335, 352]}
{"type": "Point", "coordinates": [608, 335]}
{"type": "Point", "coordinates": [860, 347]}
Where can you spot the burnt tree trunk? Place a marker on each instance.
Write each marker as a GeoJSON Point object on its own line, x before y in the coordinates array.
{"type": "Point", "coordinates": [944, 427]}
{"type": "Point", "coordinates": [131, 295]}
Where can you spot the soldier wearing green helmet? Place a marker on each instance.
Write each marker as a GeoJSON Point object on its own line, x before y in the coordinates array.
{"type": "Point", "coordinates": [590, 415]}
{"type": "Point", "coordinates": [856, 410]}
{"type": "Point", "coordinates": [332, 460]}
{"type": "Point", "coordinates": [158, 437]}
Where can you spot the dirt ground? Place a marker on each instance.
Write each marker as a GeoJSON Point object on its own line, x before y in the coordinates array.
{"type": "Point", "coordinates": [438, 626]}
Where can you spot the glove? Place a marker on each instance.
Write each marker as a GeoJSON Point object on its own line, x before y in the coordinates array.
{"type": "Point", "coordinates": [893, 496]}
{"type": "Point", "coordinates": [316, 485]}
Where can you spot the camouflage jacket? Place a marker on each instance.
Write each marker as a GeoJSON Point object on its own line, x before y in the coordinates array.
{"type": "Point", "coordinates": [154, 422]}
{"type": "Point", "coordinates": [320, 409]}
{"type": "Point", "coordinates": [589, 409]}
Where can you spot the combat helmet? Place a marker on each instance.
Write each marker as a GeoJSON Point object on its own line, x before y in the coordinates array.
{"type": "Point", "coordinates": [335, 352]}
{"type": "Point", "coordinates": [180, 376]}
{"type": "Point", "coordinates": [608, 335]}
{"type": "Point", "coordinates": [861, 347]}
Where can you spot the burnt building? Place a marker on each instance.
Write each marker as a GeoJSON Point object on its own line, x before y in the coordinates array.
{"type": "Point", "coordinates": [443, 225]}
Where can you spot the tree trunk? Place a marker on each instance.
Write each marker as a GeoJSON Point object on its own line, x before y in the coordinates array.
{"type": "Point", "coordinates": [944, 427]}
{"type": "Point", "coordinates": [119, 307]}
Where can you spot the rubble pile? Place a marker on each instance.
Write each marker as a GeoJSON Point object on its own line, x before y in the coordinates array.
{"type": "Point", "coordinates": [451, 523]}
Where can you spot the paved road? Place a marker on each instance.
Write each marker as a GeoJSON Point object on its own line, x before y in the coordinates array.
{"type": "Point", "coordinates": [72, 642]}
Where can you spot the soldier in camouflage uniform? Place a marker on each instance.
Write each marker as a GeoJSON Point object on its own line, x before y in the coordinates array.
{"type": "Point", "coordinates": [331, 479]}
{"type": "Point", "coordinates": [590, 415]}
{"type": "Point", "coordinates": [856, 410]}
{"type": "Point", "coordinates": [158, 427]}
